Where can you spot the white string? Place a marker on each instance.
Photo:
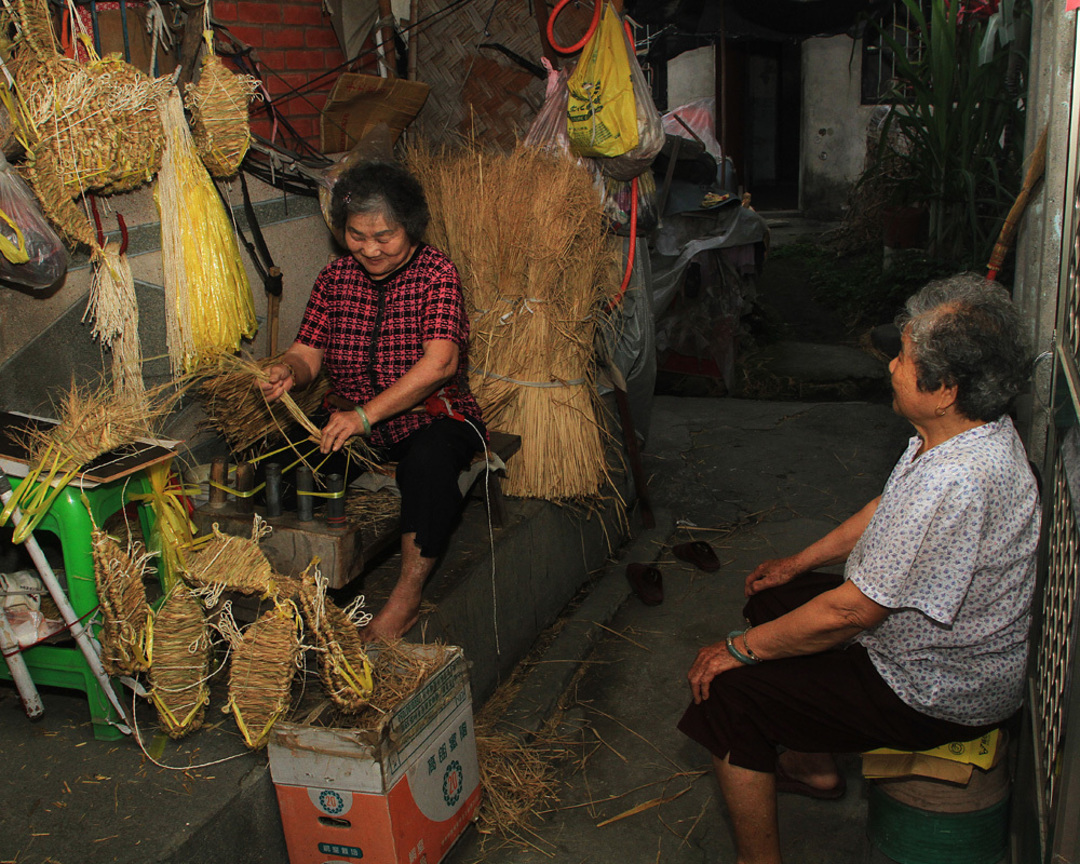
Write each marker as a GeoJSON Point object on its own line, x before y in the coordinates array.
{"type": "Point", "coordinates": [491, 534]}
{"type": "Point", "coordinates": [573, 382]}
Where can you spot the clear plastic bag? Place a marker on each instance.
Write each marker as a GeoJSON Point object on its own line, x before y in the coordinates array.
{"type": "Point", "coordinates": [375, 146]}
{"type": "Point", "coordinates": [31, 254]}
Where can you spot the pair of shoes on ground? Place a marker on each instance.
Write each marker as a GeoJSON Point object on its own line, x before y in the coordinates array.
{"type": "Point", "coordinates": [648, 582]}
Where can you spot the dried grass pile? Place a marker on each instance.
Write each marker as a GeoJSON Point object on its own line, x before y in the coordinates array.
{"type": "Point", "coordinates": [372, 511]}
{"type": "Point", "coordinates": [261, 672]}
{"type": "Point", "coordinates": [527, 232]}
{"type": "Point", "coordinates": [181, 663]}
{"type": "Point", "coordinates": [92, 422]}
{"type": "Point", "coordinates": [223, 563]}
{"type": "Point", "coordinates": [219, 112]}
{"type": "Point", "coordinates": [235, 405]}
{"type": "Point", "coordinates": [126, 630]}
{"type": "Point", "coordinates": [344, 667]}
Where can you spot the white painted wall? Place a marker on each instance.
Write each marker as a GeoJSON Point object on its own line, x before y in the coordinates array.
{"type": "Point", "coordinates": [691, 75]}
{"type": "Point", "coordinates": [833, 124]}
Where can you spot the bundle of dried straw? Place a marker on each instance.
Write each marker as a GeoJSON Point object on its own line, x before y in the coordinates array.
{"type": "Point", "coordinates": [235, 405]}
{"type": "Point", "coordinates": [180, 663]}
{"type": "Point", "coordinates": [92, 422]}
{"type": "Point", "coordinates": [261, 672]}
{"type": "Point", "coordinates": [527, 233]}
{"type": "Point", "coordinates": [343, 663]}
{"type": "Point", "coordinates": [208, 302]}
{"type": "Point", "coordinates": [126, 628]}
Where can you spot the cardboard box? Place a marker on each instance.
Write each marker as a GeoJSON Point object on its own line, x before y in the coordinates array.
{"type": "Point", "coordinates": [398, 794]}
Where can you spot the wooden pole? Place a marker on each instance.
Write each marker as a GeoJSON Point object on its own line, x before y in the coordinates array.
{"type": "Point", "coordinates": [386, 37]}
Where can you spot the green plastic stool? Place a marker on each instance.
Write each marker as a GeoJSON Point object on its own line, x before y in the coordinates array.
{"type": "Point", "coordinates": [68, 519]}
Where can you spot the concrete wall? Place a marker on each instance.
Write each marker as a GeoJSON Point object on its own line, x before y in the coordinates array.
{"type": "Point", "coordinates": [691, 75]}
{"type": "Point", "coordinates": [1040, 264]}
{"type": "Point", "coordinates": [833, 124]}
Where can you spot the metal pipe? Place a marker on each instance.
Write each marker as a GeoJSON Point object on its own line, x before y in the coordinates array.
{"type": "Point", "coordinates": [305, 485]}
{"type": "Point", "coordinates": [273, 489]}
{"type": "Point", "coordinates": [24, 683]}
{"type": "Point", "coordinates": [335, 506]}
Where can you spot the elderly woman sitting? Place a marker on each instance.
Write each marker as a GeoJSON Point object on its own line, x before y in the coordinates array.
{"type": "Point", "coordinates": [924, 639]}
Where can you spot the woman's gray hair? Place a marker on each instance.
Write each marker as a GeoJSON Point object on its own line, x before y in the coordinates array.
{"type": "Point", "coordinates": [965, 331]}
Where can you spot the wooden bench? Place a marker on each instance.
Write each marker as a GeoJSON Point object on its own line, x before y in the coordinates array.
{"type": "Point", "coordinates": [343, 552]}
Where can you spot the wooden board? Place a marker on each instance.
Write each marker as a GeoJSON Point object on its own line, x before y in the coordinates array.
{"type": "Point", "coordinates": [118, 463]}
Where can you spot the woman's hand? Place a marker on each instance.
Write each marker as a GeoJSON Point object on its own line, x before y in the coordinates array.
{"type": "Point", "coordinates": [711, 661]}
{"type": "Point", "coordinates": [769, 574]}
{"type": "Point", "coordinates": [343, 425]}
{"type": "Point", "coordinates": [280, 381]}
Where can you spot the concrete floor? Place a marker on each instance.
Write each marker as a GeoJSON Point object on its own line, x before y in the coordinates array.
{"type": "Point", "coordinates": [757, 480]}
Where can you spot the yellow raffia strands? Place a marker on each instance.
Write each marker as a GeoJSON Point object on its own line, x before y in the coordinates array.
{"type": "Point", "coordinates": [208, 303]}
{"type": "Point", "coordinates": [173, 528]}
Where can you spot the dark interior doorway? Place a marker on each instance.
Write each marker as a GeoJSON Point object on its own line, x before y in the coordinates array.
{"type": "Point", "coordinates": [762, 84]}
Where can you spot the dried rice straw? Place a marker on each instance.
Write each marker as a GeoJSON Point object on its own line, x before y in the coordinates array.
{"type": "Point", "coordinates": [127, 629]}
{"type": "Point", "coordinates": [181, 663]}
{"type": "Point", "coordinates": [526, 231]}
{"type": "Point", "coordinates": [173, 528]}
{"type": "Point", "coordinates": [92, 422]}
{"type": "Point", "coordinates": [261, 672]}
{"type": "Point", "coordinates": [209, 307]}
{"type": "Point", "coordinates": [235, 405]}
{"type": "Point", "coordinates": [228, 563]}
{"type": "Point", "coordinates": [343, 663]}
{"type": "Point", "coordinates": [219, 111]}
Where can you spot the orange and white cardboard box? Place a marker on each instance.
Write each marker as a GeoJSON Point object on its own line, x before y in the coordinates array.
{"type": "Point", "coordinates": [399, 794]}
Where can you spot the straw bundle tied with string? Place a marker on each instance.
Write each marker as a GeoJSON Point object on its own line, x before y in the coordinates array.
{"type": "Point", "coordinates": [219, 110]}
{"type": "Point", "coordinates": [208, 303]}
{"type": "Point", "coordinates": [527, 233]}
{"type": "Point", "coordinates": [344, 667]}
{"type": "Point", "coordinates": [127, 624]}
{"type": "Point", "coordinates": [261, 671]}
{"type": "Point", "coordinates": [236, 407]}
{"type": "Point", "coordinates": [181, 663]}
{"type": "Point", "coordinates": [92, 422]}
{"type": "Point", "coordinates": [225, 563]}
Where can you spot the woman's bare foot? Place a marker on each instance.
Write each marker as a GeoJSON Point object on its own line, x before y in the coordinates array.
{"type": "Point", "coordinates": [397, 617]}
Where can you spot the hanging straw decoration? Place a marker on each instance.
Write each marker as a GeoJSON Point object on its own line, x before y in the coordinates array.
{"type": "Point", "coordinates": [526, 231]}
{"type": "Point", "coordinates": [208, 302]}
{"type": "Point", "coordinates": [127, 628]}
{"type": "Point", "coordinates": [235, 405]}
{"type": "Point", "coordinates": [92, 422]}
{"type": "Point", "coordinates": [343, 663]}
{"type": "Point", "coordinates": [219, 110]}
{"type": "Point", "coordinates": [88, 127]}
{"type": "Point", "coordinates": [227, 563]}
{"type": "Point", "coordinates": [261, 672]}
{"type": "Point", "coordinates": [181, 663]}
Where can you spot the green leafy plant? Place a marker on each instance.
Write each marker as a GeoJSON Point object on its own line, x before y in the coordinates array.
{"type": "Point", "coordinates": [959, 126]}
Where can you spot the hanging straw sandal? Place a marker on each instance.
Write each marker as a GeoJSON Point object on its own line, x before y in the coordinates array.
{"type": "Point", "coordinates": [699, 553]}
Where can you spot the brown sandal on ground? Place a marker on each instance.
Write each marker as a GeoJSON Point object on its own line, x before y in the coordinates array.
{"type": "Point", "coordinates": [699, 553]}
{"type": "Point", "coordinates": [647, 582]}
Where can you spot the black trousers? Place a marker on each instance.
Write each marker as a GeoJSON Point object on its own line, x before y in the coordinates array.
{"type": "Point", "coordinates": [832, 702]}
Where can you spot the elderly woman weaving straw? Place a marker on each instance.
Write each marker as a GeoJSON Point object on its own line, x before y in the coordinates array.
{"type": "Point", "coordinates": [388, 322]}
{"type": "Point", "coordinates": [924, 640]}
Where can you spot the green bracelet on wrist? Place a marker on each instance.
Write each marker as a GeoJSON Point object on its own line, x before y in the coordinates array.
{"type": "Point", "coordinates": [745, 659]}
{"type": "Point", "coordinates": [363, 419]}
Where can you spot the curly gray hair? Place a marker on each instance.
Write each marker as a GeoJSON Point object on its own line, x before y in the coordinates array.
{"type": "Point", "coordinates": [965, 331]}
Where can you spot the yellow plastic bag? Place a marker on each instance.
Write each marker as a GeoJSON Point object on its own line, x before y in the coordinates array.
{"type": "Point", "coordinates": [601, 111]}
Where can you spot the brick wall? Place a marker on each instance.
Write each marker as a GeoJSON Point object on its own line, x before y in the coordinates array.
{"type": "Point", "coordinates": [295, 44]}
